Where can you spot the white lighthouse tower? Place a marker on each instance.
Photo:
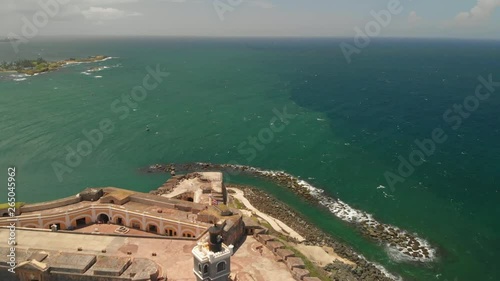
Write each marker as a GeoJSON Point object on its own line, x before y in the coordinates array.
{"type": "Point", "coordinates": [212, 259]}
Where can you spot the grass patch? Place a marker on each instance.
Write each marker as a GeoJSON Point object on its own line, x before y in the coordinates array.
{"type": "Point", "coordinates": [268, 226]}
{"type": "Point", "coordinates": [238, 204]}
{"type": "Point", "coordinates": [235, 203]}
{"type": "Point", "coordinates": [309, 265]}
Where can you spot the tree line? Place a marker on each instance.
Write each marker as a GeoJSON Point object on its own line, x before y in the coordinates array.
{"type": "Point", "coordinates": [22, 64]}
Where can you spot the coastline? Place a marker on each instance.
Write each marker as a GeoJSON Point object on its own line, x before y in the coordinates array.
{"type": "Point", "coordinates": [330, 259]}
{"type": "Point", "coordinates": [276, 224]}
{"type": "Point", "coordinates": [402, 245]}
{"type": "Point", "coordinates": [315, 239]}
{"type": "Point", "coordinates": [54, 66]}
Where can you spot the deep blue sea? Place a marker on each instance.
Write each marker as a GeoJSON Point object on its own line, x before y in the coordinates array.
{"type": "Point", "coordinates": [352, 124]}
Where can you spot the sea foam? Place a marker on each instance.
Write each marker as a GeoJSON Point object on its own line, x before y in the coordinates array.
{"type": "Point", "coordinates": [409, 246]}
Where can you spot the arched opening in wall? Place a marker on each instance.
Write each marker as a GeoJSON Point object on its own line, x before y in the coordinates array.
{"type": "Point", "coordinates": [170, 232]}
{"type": "Point", "coordinates": [30, 226]}
{"type": "Point", "coordinates": [80, 222]}
{"type": "Point", "coordinates": [119, 221]}
{"type": "Point", "coordinates": [57, 224]}
{"type": "Point", "coordinates": [103, 218]}
{"type": "Point", "coordinates": [152, 228]}
{"type": "Point", "coordinates": [221, 266]}
{"type": "Point", "coordinates": [187, 234]}
{"type": "Point", "coordinates": [190, 199]}
{"type": "Point", "coordinates": [205, 268]}
{"type": "Point", "coordinates": [111, 201]}
{"type": "Point", "coordinates": [136, 225]}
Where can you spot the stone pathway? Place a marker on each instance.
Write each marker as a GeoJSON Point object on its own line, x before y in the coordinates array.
{"type": "Point", "coordinates": [275, 223]}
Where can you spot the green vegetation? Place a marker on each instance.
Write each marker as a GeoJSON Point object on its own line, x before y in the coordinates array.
{"type": "Point", "coordinates": [6, 205]}
{"type": "Point", "coordinates": [21, 65]}
{"type": "Point", "coordinates": [309, 265]}
{"type": "Point", "coordinates": [32, 67]}
{"type": "Point", "coordinates": [313, 269]}
{"type": "Point", "coordinates": [271, 229]}
{"type": "Point", "coordinates": [235, 203]}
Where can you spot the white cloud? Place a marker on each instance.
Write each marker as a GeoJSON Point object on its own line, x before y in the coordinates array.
{"type": "Point", "coordinates": [413, 18]}
{"type": "Point", "coordinates": [68, 12]}
{"type": "Point", "coordinates": [478, 14]}
{"type": "Point", "coordinates": [101, 14]}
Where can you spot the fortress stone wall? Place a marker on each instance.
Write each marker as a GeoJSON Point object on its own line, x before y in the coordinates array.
{"type": "Point", "coordinates": [71, 212]}
{"type": "Point", "coordinates": [51, 205]}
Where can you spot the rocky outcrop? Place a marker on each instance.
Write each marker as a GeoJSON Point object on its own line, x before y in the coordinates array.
{"type": "Point", "coordinates": [172, 182]}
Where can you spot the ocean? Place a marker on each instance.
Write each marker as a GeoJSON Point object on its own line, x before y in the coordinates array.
{"type": "Point", "coordinates": [294, 105]}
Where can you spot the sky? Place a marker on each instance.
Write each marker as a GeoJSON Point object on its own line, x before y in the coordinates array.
{"type": "Point", "coordinates": [304, 18]}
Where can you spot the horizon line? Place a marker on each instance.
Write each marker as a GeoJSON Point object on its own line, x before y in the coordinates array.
{"type": "Point", "coordinates": [440, 38]}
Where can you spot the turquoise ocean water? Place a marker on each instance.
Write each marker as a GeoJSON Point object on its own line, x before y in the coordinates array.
{"type": "Point", "coordinates": [351, 122]}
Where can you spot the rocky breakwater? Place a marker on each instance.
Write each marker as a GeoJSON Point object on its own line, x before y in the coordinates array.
{"type": "Point", "coordinates": [362, 270]}
{"type": "Point", "coordinates": [401, 244]}
{"type": "Point", "coordinates": [172, 182]}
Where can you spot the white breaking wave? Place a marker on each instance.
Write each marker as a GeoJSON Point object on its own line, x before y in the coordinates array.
{"type": "Point", "coordinates": [337, 207]}
{"type": "Point", "coordinates": [109, 58]}
{"type": "Point", "coordinates": [384, 271]}
{"type": "Point", "coordinates": [18, 77]}
{"type": "Point", "coordinates": [351, 215]}
{"type": "Point", "coordinates": [69, 63]}
{"type": "Point", "coordinates": [97, 69]}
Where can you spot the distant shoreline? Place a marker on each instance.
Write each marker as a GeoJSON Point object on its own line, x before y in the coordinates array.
{"type": "Point", "coordinates": [35, 67]}
{"type": "Point", "coordinates": [8, 40]}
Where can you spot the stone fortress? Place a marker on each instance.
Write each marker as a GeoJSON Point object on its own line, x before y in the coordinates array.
{"type": "Point", "coordinates": [184, 230]}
